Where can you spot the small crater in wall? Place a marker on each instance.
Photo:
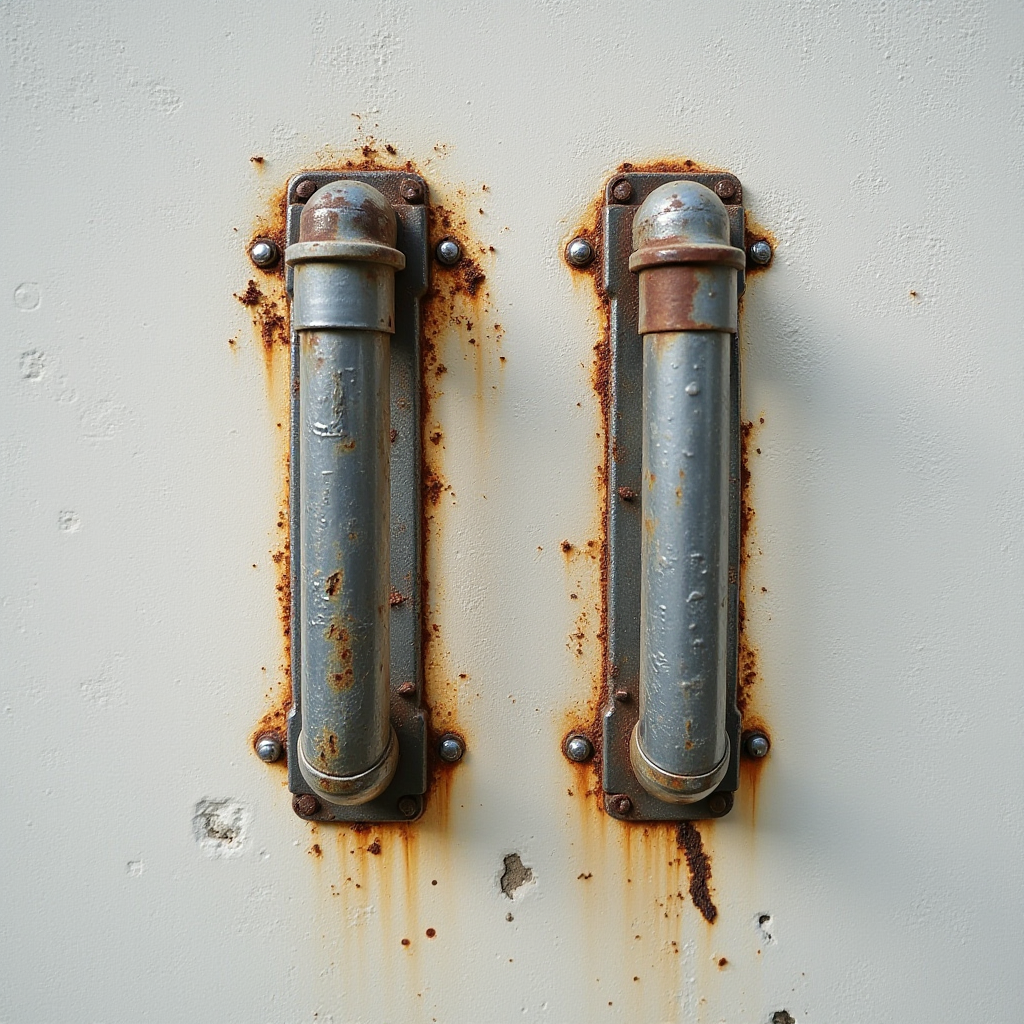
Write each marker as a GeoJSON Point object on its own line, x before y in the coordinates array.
{"type": "Point", "coordinates": [515, 875]}
{"type": "Point", "coordinates": [221, 827]}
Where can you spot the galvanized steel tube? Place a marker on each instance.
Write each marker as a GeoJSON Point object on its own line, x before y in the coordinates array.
{"type": "Point", "coordinates": [343, 314]}
{"type": "Point", "coordinates": [679, 749]}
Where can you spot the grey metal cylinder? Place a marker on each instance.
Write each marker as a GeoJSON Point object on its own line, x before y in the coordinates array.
{"type": "Point", "coordinates": [679, 749]}
{"type": "Point", "coordinates": [343, 312]}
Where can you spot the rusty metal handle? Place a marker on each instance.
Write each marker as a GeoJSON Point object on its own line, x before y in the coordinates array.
{"type": "Point", "coordinates": [343, 314]}
{"type": "Point", "coordinates": [679, 749]}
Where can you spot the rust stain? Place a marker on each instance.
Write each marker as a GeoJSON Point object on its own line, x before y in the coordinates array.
{"type": "Point", "coordinates": [690, 842]}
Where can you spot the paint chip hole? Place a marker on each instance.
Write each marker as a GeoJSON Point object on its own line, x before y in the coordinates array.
{"type": "Point", "coordinates": [515, 875]}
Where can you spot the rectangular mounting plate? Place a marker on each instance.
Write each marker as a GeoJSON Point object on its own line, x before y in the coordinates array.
{"type": "Point", "coordinates": [407, 714]}
{"type": "Point", "coordinates": [625, 433]}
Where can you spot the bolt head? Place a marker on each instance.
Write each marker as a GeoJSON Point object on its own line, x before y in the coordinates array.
{"type": "Point", "coordinates": [411, 190]}
{"type": "Point", "coordinates": [725, 188]}
{"type": "Point", "coordinates": [719, 803]}
{"type": "Point", "coordinates": [408, 806]}
{"type": "Point", "coordinates": [268, 748]}
{"type": "Point", "coordinates": [621, 804]}
{"type": "Point", "coordinates": [305, 189]}
{"type": "Point", "coordinates": [449, 252]}
{"type": "Point", "coordinates": [451, 749]}
{"type": "Point", "coordinates": [264, 253]}
{"type": "Point", "coordinates": [761, 252]}
{"type": "Point", "coordinates": [579, 749]}
{"type": "Point", "coordinates": [305, 805]}
{"type": "Point", "coordinates": [622, 191]}
{"type": "Point", "coordinates": [579, 252]}
{"type": "Point", "coordinates": [758, 745]}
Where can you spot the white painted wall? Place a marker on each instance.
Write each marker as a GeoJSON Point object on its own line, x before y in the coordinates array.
{"type": "Point", "coordinates": [141, 479]}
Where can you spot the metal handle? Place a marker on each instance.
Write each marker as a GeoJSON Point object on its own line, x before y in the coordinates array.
{"type": "Point", "coordinates": [343, 313]}
{"type": "Point", "coordinates": [679, 749]}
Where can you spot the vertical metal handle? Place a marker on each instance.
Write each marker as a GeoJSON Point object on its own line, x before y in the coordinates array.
{"type": "Point", "coordinates": [679, 749]}
{"type": "Point", "coordinates": [343, 312]}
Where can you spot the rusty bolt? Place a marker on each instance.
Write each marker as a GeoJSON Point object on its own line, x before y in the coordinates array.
{"type": "Point", "coordinates": [720, 803]}
{"type": "Point", "coordinates": [408, 806]}
{"type": "Point", "coordinates": [407, 689]}
{"type": "Point", "coordinates": [620, 803]}
{"type": "Point", "coordinates": [622, 191]}
{"type": "Point", "coordinates": [622, 696]}
{"type": "Point", "coordinates": [579, 252]}
{"type": "Point", "coordinates": [627, 494]}
{"type": "Point", "coordinates": [578, 748]}
{"type": "Point", "coordinates": [305, 189]}
{"type": "Point", "coordinates": [448, 252]}
{"type": "Point", "coordinates": [268, 748]}
{"type": "Point", "coordinates": [725, 188]}
{"type": "Point", "coordinates": [756, 744]}
{"type": "Point", "coordinates": [305, 805]}
{"type": "Point", "coordinates": [264, 253]}
{"type": "Point", "coordinates": [411, 190]}
{"type": "Point", "coordinates": [451, 748]}
{"type": "Point", "coordinates": [761, 252]}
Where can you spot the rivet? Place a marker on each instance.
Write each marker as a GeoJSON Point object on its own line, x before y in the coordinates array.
{"type": "Point", "coordinates": [725, 188]}
{"type": "Point", "coordinates": [622, 191]}
{"type": "Point", "coordinates": [761, 252]}
{"type": "Point", "coordinates": [411, 190]}
{"type": "Point", "coordinates": [579, 252]}
{"type": "Point", "coordinates": [757, 744]}
{"type": "Point", "coordinates": [305, 189]}
{"type": "Point", "coordinates": [264, 252]}
{"type": "Point", "coordinates": [448, 252]}
{"type": "Point", "coordinates": [407, 689]}
{"type": "Point", "coordinates": [268, 748]}
{"type": "Point", "coordinates": [305, 805]}
{"type": "Point", "coordinates": [578, 748]}
{"type": "Point", "coordinates": [620, 804]}
{"type": "Point", "coordinates": [622, 696]}
{"type": "Point", "coordinates": [408, 806]}
{"type": "Point", "coordinates": [719, 803]}
{"type": "Point", "coordinates": [627, 494]}
{"type": "Point", "coordinates": [451, 748]}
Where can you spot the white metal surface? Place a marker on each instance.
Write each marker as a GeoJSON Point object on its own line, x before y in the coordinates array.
{"type": "Point", "coordinates": [153, 869]}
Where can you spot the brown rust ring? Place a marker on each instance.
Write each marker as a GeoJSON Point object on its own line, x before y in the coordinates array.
{"type": "Point", "coordinates": [690, 252]}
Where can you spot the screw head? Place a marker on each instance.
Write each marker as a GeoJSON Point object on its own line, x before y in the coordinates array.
{"type": "Point", "coordinates": [579, 252]}
{"type": "Point", "coordinates": [757, 744]}
{"type": "Point", "coordinates": [268, 748]}
{"type": "Point", "coordinates": [622, 191]}
{"type": "Point", "coordinates": [620, 804]}
{"type": "Point", "coordinates": [305, 189]}
{"type": "Point", "coordinates": [305, 805]}
{"type": "Point", "coordinates": [264, 252]}
{"type": "Point", "coordinates": [411, 190]}
{"type": "Point", "coordinates": [761, 252]}
{"type": "Point", "coordinates": [725, 188]}
{"type": "Point", "coordinates": [451, 748]}
{"type": "Point", "coordinates": [579, 749]}
{"type": "Point", "coordinates": [720, 803]}
{"type": "Point", "coordinates": [408, 806]}
{"type": "Point", "coordinates": [449, 252]}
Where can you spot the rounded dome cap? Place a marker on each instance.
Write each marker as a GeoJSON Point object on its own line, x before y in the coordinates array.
{"type": "Point", "coordinates": [681, 212]}
{"type": "Point", "coordinates": [349, 211]}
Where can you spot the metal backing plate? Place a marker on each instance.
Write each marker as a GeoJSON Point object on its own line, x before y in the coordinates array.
{"type": "Point", "coordinates": [625, 432]}
{"type": "Point", "coordinates": [407, 714]}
